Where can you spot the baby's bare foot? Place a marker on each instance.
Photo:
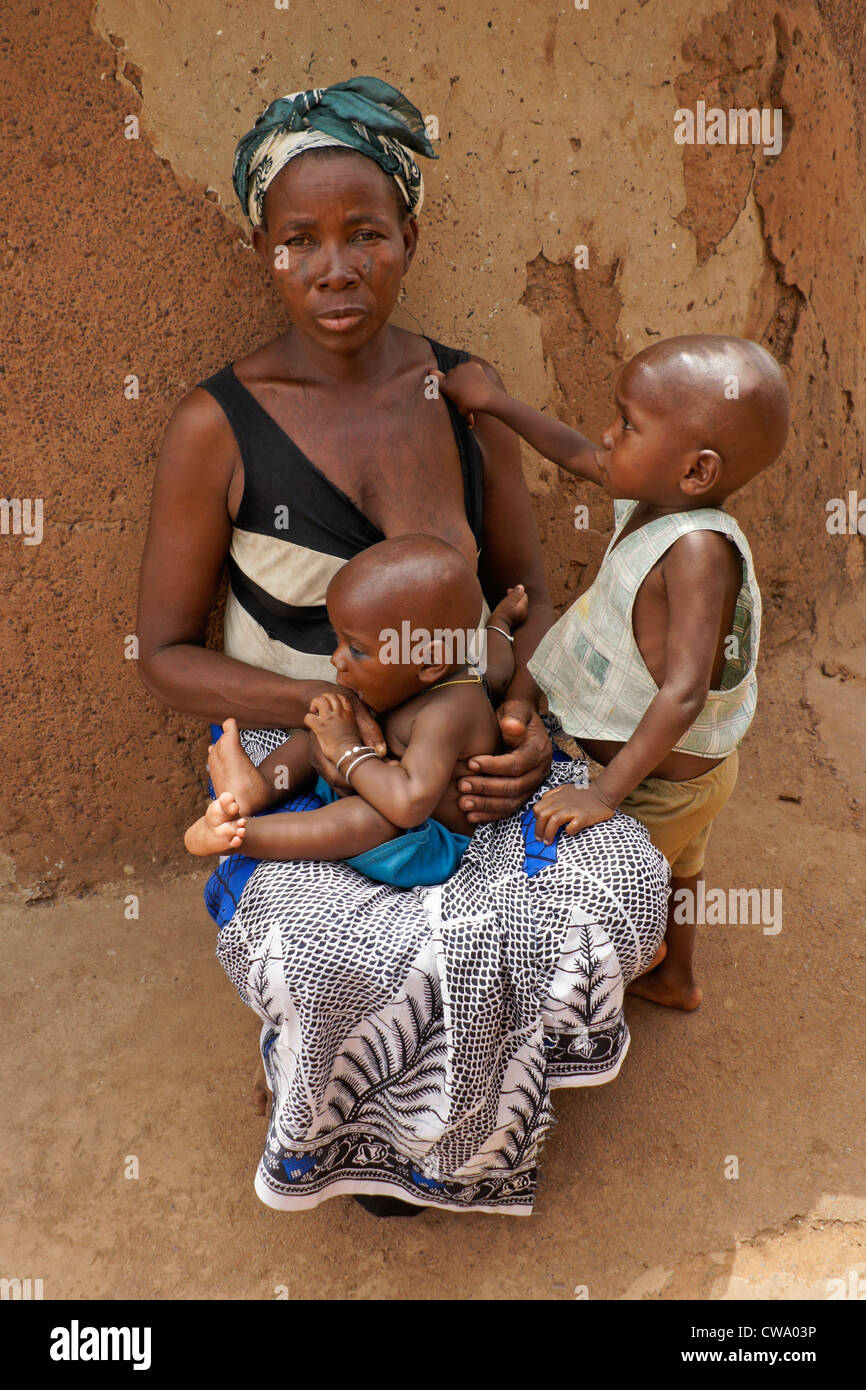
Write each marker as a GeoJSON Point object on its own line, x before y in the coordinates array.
{"type": "Point", "coordinates": [231, 770]}
{"type": "Point", "coordinates": [220, 830]}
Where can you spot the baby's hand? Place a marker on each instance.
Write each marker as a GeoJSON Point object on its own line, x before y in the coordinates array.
{"type": "Point", "coordinates": [469, 387]}
{"type": "Point", "coordinates": [332, 720]}
{"type": "Point", "coordinates": [572, 807]}
{"type": "Point", "coordinates": [510, 612]}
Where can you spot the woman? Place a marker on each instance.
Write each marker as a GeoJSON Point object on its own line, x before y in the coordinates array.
{"type": "Point", "coordinates": [403, 1032]}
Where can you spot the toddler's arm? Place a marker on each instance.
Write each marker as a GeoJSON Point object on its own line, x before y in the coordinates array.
{"type": "Point", "coordinates": [472, 391]}
{"type": "Point", "coordinates": [696, 585]}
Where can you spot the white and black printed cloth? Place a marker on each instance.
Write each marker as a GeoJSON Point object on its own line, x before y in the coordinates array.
{"type": "Point", "coordinates": [412, 1038]}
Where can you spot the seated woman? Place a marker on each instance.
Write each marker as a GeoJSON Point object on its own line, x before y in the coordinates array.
{"type": "Point", "coordinates": [411, 1037]}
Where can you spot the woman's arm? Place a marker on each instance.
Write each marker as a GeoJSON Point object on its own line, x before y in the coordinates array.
{"type": "Point", "coordinates": [511, 554]}
{"type": "Point", "coordinates": [187, 542]}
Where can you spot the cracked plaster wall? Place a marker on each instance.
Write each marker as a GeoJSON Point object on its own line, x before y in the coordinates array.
{"type": "Point", "coordinates": [556, 128]}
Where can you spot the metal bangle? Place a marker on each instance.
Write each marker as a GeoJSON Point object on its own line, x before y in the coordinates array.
{"type": "Point", "coordinates": [362, 759]}
{"type": "Point", "coordinates": [359, 748]}
{"type": "Point", "coordinates": [491, 627]}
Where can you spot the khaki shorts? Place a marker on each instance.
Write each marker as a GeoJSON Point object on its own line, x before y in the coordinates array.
{"type": "Point", "coordinates": [678, 815]}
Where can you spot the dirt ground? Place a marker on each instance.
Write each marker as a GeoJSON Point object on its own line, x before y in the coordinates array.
{"type": "Point", "coordinates": [129, 1041]}
{"type": "Point", "coordinates": [125, 1046]}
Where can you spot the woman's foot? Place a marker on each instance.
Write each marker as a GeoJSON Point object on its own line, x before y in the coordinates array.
{"type": "Point", "coordinates": [220, 830]}
{"type": "Point", "coordinates": [668, 984]}
{"type": "Point", "coordinates": [231, 770]}
{"type": "Point", "coordinates": [387, 1206]}
{"type": "Point", "coordinates": [261, 1098]}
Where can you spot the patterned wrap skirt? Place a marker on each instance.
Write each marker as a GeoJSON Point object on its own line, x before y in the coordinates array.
{"type": "Point", "coordinates": [412, 1038]}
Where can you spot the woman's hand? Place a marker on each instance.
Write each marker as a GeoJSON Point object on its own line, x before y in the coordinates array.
{"type": "Point", "coordinates": [507, 780]}
{"type": "Point", "coordinates": [572, 807]}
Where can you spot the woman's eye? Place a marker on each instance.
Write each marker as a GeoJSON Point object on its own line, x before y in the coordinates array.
{"type": "Point", "coordinates": [367, 234]}
{"type": "Point", "coordinates": [298, 241]}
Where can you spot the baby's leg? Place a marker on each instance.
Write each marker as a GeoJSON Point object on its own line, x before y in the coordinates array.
{"type": "Point", "coordinates": [339, 831]}
{"type": "Point", "coordinates": [285, 770]}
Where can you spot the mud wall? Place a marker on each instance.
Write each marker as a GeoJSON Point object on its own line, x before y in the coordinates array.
{"type": "Point", "coordinates": [556, 129]}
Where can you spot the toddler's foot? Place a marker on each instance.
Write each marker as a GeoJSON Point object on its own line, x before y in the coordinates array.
{"type": "Point", "coordinates": [231, 769]}
{"type": "Point", "coordinates": [220, 830]}
{"type": "Point", "coordinates": [668, 984]}
{"type": "Point", "coordinates": [511, 611]}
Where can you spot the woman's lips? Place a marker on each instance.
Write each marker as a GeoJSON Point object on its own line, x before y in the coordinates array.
{"type": "Point", "coordinates": [340, 320]}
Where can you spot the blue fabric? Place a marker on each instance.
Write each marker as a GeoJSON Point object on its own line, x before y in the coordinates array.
{"type": "Point", "coordinates": [428, 854]}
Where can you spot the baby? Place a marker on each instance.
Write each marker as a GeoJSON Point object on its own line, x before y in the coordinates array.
{"type": "Point", "coordinates": [405, 613]}
{"type": "Point", "coordinates": [653, 668]}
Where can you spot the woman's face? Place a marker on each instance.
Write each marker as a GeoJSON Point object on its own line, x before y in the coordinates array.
{"type": "Point", "coordinates": [336, 247]}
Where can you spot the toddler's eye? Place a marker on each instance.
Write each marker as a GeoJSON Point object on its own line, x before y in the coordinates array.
{"type": "Point", "coordinates": [354, 651]}
{"type": "Point", "coordinates": [626, 423]}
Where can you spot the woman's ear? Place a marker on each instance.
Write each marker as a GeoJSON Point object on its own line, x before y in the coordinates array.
{"type": "Point", "coordinates": [410, 241]}
{"type": "Point", "coordinates": [260, 246]}
{"type": "Point", "coordinates": [703, 473]}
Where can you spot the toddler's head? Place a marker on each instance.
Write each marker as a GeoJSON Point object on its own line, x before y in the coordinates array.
{"type": "Point", "coordinates": [697, 417]}
{"type": "Point", "coordinates": [404, 612]}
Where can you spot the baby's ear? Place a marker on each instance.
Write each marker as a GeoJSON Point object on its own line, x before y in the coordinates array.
{"type": "Point", "coordinates": [703, 473]}
{"type": "Point", "coordinates": [436, 662]}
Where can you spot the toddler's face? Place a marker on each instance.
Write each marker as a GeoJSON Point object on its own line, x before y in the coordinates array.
{"type": "Point", "coordinates": [643, 452]}
{"type": "Point", "coordinates": [381, 684]}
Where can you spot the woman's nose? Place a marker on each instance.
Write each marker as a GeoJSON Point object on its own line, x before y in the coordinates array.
{"type": "Point", "coordinates": [335, 270]}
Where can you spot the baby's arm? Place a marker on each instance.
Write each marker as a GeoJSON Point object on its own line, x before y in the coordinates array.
{"type": "Point", "coordinates": [406, 793]}
{"type": "Point", "coordinates": [696, 587]}
{"type": "Point", "coordinates": [508, 615]}
{"type": "Point", "coordinates": [471, 389]}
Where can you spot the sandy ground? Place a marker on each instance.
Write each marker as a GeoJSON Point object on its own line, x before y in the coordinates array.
{"type": "Point", "coordinates": [124, 1038]}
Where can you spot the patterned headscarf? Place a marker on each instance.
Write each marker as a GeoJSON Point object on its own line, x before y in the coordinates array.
{"type": "Point", "coordinates": [363, 114]}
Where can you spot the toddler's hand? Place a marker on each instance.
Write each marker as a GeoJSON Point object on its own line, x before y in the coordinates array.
{"type": "Point", "coordinates": [332, 720]}
{"type": "Point", "coordinates": [469, 387]}
{"type": "Point", "coordinates": [572, 807]}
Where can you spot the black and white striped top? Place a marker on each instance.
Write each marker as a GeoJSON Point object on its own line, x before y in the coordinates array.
{"type": "Point", "coordinates": [294, 529]}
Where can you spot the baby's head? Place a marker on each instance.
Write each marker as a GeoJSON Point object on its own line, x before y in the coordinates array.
{"type": "Point", "coordinates": [403, 611]}
{"type": "Point", "coordinates": [697, 417]}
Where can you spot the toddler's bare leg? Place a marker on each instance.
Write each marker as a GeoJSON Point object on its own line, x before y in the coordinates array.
{"type": "Point", "coordinates": [340, 831]}
{"type": "Point", "coordinates": [285, 770]}
{"type": "Point", "coordinates": [672, 982]}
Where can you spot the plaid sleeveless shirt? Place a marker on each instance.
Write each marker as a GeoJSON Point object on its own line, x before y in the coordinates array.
{"type": "Point", "coordinates": [589, 665]}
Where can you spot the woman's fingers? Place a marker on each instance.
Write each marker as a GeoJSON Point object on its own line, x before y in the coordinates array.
{"type": "Point", "coordinates": [369, 729]}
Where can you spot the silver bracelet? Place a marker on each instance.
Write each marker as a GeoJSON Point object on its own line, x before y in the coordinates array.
{"type": "Point", "coordinates": [359, 748]}
{"type": "Point", "coordinates": [361, 759]}
{"type": "Point", "coordinates": [491, 627]}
